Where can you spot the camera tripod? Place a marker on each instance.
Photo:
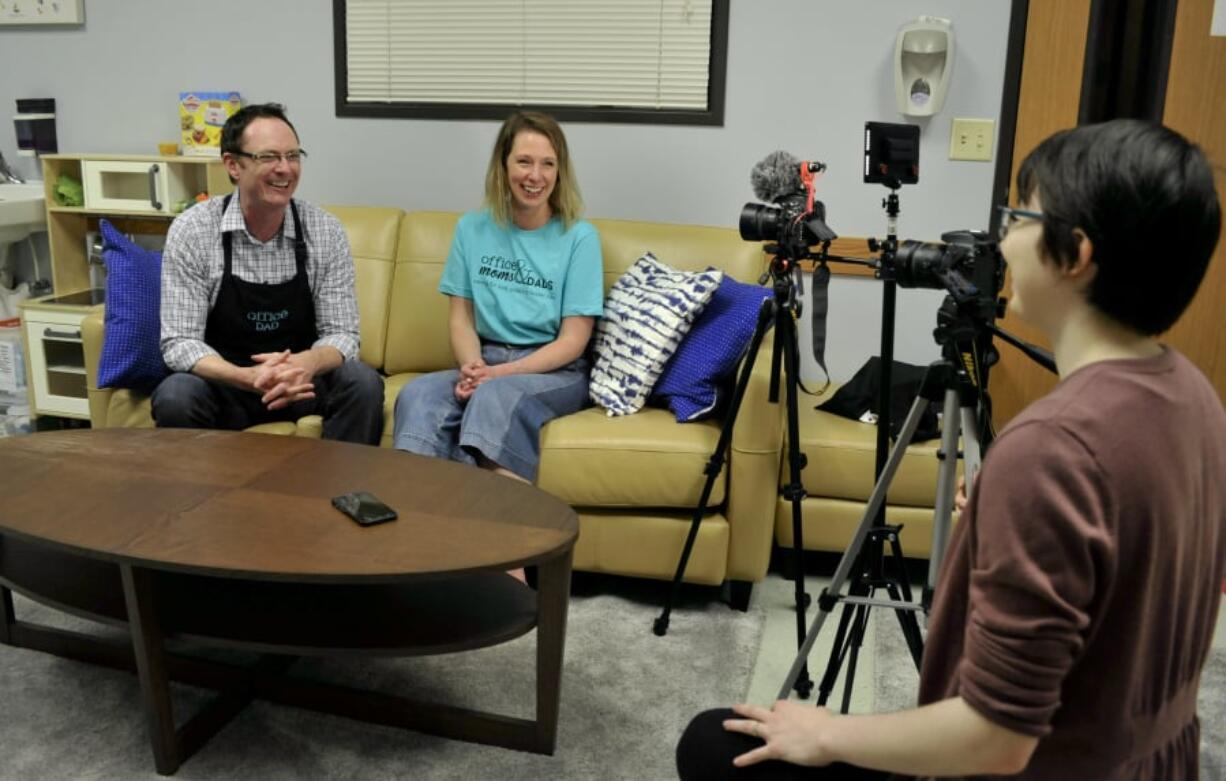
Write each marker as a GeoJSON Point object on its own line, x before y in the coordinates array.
{"type": "Point", "coordinates": [779, 310]}
{"type": "Point", "coordinates": [956, 381]}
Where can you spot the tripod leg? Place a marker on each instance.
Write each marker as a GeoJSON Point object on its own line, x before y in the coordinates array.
{"type": "Point", "coordinates": [785, 333]}
{"type": "Point", "coordinates": [837, 652]}
{"type": "Point", "coordinates": [715, 464]}
{"type": "Point", "coordinates": [947, 474]}
{"type": "Point", "coordinates": [909, 625]}
{"type": "Point", "coordinates": [856, 641]}
{"type": "Point", "coordinates": [830, 596]}
{"type": "Point", "coordinates": [900, 591]}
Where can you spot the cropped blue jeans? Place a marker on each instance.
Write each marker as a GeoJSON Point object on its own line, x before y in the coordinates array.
{"type": "Point", "coordinates": [502, 419]}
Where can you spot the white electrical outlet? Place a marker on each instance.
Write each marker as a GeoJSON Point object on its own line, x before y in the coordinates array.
{"type": "Point", "coordinates": [42, 11]}
{"type": "Point", "coordinates": [971, 139]}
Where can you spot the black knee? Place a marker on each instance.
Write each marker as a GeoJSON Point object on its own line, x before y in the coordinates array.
{"type": "Point", "coordinates": [706, 749]}
{"type": "Point", "coordinates": [182, 400]}
{"type": "Point", "coordinates": [353, 409]}
{"type": "Point", "coordinates": [356, 383]}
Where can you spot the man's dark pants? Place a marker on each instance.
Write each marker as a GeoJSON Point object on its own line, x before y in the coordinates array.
{"type": "Point", "coordinates": [349, 398]}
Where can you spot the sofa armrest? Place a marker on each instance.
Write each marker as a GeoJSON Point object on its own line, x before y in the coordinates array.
{"type": "Point", "coordinates": [753, 479]}
{"type": "Point", "coordinates": [92, 329]}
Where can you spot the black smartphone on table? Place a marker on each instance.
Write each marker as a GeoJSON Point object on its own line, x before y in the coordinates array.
{"type": "Point", "coordinates": [364, 507]}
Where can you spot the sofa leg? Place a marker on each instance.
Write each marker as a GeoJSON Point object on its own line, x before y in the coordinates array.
{"type": "Point", "coordinates": [739, 592]}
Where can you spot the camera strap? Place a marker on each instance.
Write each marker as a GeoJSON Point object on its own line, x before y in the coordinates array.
{"type": "Point", "coordinates": [819, 303]}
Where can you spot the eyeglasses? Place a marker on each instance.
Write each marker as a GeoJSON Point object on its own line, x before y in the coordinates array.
{"type": "Point", "coordinates": [1010, 216]}
{"type": "Point", "coordinates": [293, 157]}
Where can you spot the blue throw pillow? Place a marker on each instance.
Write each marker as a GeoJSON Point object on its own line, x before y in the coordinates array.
{"type": "Point", "coordinates": [131, 357]}
{"type": "Point", "coordinates": [691, 383]}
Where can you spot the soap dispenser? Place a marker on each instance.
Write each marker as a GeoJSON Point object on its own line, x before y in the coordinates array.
{"type": "Point", "coordinates": [923, 59]}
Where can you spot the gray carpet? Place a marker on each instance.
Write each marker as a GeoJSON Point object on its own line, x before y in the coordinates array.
{"type": "Point", "coordinates": [626, 696]}
{"type": "Point", "coordinates": [897, 682]}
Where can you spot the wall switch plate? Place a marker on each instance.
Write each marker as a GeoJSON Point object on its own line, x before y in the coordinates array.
{"type": "Point", "coordinates": [971, 139]}
{"type": "Point", "coordinates": [42, 11]}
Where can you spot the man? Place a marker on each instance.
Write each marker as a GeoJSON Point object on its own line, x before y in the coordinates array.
{"type": "Point", "coordinates": [1077, 605]}
{"type": "Point", "coordinates": [259, 313]}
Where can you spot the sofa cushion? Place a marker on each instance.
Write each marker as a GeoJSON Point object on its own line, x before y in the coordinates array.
{"type": "Point", "coordinates": [647, 313]}
{"type": "Point", "coordinates": [417, 336]}
{"type": "Point", "coordinates": [693, 381]}
{"type": "Point", "coordinates": [373, 235]}
{"type": "Point", "coordinates": [685, 247]}
{"type": "Point", "coordinates": [646, 460]}
{"type": "Point", "coordinates": [842, 455]}
{"type": "Point", "coordinates": [131, 356]}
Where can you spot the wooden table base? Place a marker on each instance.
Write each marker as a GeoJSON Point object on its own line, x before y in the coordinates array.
{"type": "Point", "coordinates": [267, 679]}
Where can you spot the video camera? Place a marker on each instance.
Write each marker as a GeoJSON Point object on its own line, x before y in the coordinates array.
{"type": "Point", "coordinates": [966, 263]}
{"type": "Point", "coordinates": [797, 221]}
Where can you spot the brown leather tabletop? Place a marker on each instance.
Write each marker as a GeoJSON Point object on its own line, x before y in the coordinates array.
{"type": "Point", "coordinates": [258, 506]}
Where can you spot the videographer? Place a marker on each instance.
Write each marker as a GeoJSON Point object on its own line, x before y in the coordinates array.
{"type": "Point", "coordinates": [1077, 605]}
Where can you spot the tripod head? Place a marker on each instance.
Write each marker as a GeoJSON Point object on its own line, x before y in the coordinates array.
{"type": "Point", "coordinates": [965, 339]}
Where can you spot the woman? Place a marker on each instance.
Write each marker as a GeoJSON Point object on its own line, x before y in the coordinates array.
{"type": "Point", "coordinates": [524, 277]}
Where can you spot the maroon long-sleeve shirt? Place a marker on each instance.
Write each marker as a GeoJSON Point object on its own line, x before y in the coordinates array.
{"type": "Point", "coordinates": [1079, 598]}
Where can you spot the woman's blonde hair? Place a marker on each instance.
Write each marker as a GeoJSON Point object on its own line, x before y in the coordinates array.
{"type": "Point", "coordinates": [564, 202]}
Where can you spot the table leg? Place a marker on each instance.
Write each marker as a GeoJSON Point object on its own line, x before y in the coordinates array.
{"type": "Point", "coordinates": [7, 617]}
{"type": "Point", "coordinates": [151, 666]}
{"type": "Point", "coordinates": [553, 596]}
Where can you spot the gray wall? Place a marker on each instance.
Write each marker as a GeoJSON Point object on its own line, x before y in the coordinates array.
{"type": "Point", "coordinates": [803, 75]}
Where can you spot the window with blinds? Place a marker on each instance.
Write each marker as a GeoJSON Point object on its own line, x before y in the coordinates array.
{"type": "Point", "coordinates": [601, 60]}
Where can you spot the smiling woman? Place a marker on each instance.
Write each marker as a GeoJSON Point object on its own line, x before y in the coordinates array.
{"type": "Point", "coordinates": [524, 277]}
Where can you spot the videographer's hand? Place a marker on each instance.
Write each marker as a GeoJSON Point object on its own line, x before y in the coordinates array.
{"type": "Point", "coordinates": [792, 732]}
{"type": "Point", "coordinates": [960, 498]}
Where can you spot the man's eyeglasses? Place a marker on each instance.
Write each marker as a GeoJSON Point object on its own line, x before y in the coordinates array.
{"type": "Point", "coordinates": [1010, 216]}
{"type": "Point", "coordinates": [292, 157]}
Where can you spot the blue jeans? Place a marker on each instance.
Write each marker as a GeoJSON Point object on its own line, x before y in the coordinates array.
{"type": "Point", "coordinates": [502, 419]}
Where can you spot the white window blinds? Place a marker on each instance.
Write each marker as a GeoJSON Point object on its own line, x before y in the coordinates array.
{"type": "Point", "coordinates": [649, 54]}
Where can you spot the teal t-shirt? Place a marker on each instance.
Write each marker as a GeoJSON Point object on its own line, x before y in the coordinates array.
{"type": "Point", "coordinates": [522, 283]}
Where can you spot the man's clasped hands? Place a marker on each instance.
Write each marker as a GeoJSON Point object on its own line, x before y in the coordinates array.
{"type": "Point", "coordinates": [283, 378]}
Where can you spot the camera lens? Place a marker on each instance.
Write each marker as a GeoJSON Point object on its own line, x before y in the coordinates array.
{"type": "Point", "coordinates": [921, 264]}
{"type": "Point", "coordinates": [759, 222]}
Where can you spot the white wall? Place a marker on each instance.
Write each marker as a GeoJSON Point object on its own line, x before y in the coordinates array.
{"type": "Point", "coordinates": [803, 75]}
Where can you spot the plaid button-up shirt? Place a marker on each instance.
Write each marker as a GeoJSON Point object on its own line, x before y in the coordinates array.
{"type": "Point", "coordinates": [193, 262]}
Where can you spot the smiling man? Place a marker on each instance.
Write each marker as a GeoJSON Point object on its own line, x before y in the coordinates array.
{"type": "Point", "coordinates": [259, 312]}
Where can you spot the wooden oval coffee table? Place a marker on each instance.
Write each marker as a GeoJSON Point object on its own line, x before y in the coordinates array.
{"type": "Point", "coordinates": [229, 539]}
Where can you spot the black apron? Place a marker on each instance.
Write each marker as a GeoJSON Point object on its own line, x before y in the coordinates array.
{"type": "Point", "coordinates": [250, 318]}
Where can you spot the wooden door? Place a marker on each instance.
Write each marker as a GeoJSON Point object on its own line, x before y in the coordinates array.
{"type": "Point", "coordinates": [1196, 107]}
{"type": "Point", "coordinates": [1049, 99]}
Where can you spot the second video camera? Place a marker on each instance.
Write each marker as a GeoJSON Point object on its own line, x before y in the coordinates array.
{"type": "Point", "coordinates": [965, 263]}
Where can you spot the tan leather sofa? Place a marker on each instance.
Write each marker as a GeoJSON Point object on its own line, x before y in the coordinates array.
{"type": "Point", "coordinates": [838, 478]}
{"type": "Point", "coordinates": [633, 480]}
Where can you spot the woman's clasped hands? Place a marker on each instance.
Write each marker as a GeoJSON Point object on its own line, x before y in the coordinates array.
{"type": "Point", "coordinates": [472, 374]}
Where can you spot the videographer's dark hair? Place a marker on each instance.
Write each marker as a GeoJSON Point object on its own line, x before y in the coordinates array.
{"type": "Point", "coordinates": [232, 131]}
{"type": "Point", "coordinates": [1144, 196]}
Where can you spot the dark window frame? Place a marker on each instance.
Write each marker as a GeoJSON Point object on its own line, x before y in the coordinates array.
{"type": "Point", "coordinates": [713, 115]}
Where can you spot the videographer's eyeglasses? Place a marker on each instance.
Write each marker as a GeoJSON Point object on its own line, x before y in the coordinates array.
{"type": "Point", "coordinates": [1010, 216]}
{"type": "Point", "coordinates": [292, 157]}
